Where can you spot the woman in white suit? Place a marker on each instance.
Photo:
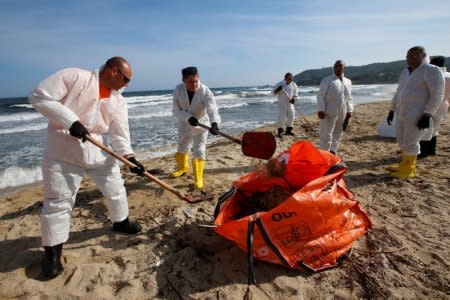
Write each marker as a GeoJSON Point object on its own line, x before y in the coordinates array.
{"type": "Point", "coordinates": [193, 102]}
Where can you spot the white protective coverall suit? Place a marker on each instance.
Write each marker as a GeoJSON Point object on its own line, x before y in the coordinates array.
{"type": "Point", "coordinates": [419, 92]}
{"type": "Point", "coordinates": [441, 112]}
{"type": "Point", "coordinates": [286, 113]}
{"type": "Point", "coordinates": [65, 97]}
{"type": "Point", "coordinates": [335, 99]}
{"type": "Point", "coordinates": [204, 108]}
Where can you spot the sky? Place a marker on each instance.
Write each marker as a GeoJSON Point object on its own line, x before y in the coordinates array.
{"type": "Point", "coordinates": [232, 42]}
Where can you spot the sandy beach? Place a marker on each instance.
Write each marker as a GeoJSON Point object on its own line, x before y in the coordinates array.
{"type": "Point", "coordinates": [405, 256]}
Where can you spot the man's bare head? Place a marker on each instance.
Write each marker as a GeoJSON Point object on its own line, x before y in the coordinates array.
{"type": "Point", "coordinates": [415, 56]}
{"type": "Point", "coordinates": [338, 68]}
{"type": "Point", "coordinates": [288, 77]}
{"type": "Point", "coordinates": [116, 73]}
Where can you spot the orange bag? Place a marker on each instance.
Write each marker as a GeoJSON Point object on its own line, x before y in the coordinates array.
{"type": "Point", "coordinates": [309, 230]}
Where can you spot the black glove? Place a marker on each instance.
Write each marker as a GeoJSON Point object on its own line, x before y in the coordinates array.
{"type": "Point", "coordinates": [390, 117]}
{"type": "Point", "coordinates": [214, 129]}
{"type": "Point", "coordinates": [424, 122]}
{"type": "Point", "coordinates": [277, 89]}
{"type": "Point", "coordinates": [345, 124]}
{"type": "Point", "coordinates": [78, 130]}
{"type": "Point", "coordinates": [193, 121]}
{"type": "Point", "coordinates": [139, 169]}
{"type": "Point", "coordinates": [292, 100]}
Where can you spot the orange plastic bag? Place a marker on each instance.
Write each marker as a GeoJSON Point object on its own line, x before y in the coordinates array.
{"type": "Point", "coordinates": [309, 230]}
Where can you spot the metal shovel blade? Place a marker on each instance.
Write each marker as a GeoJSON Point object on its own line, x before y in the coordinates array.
{"type": "Point", "coordinates": [260, 145]}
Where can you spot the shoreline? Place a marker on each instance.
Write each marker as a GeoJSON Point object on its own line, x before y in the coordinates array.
{"type": "Point", "coordinates": [169, 153]}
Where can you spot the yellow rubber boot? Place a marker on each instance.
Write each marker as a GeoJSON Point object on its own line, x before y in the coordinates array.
{"type": "Point", "coordinates": [198, 165]}
{"type": "Point", "coordinates": [394, 167]}
{"type": "Point", "coordinates": [408, 169]}
{"type": "Point", "coordinates": [182, 164]}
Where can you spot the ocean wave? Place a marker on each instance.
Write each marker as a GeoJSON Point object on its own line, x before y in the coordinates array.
{"type": "Point", "coordinates": [226, 97]}
{"type": "Point", "coordinates": [233, 105]}
{"type": "Point", "coordinates": [15, 176]}
{"type": "Point", "coordinates": [308, 89]}
{"type": "Point", "coordinates": [246, 125]}
{"type": "Point", "coordinates": [260, 93]}
{"type": "Point", "coordinates": [268, 100]}
{"type": "Point", "coordinates": [21, 105]}
{"type": "Point", "coordinates": [150, 98]}
{"type": "Point", "coordinates": [366, 86]}
{"type": "Point", "coordinates": [309, 99]}
{"type": "Point", "coordinates": [31, 127]}
{"type": "Point", "coordinates": [148, 104]}
{"type": "Point", "coordinates": [159, 114]}
{"type": "Point", "coordinates": [25, 116]}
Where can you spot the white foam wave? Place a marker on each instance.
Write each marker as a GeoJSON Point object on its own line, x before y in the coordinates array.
{"type": "Point", "coordinates": [308, 89]}
{"type": "Point", "coordinates": [309, 99]}
{"type": "Point", "coordinates": [31, 127]}
{"type": "Point", "coordinates": [15, 176]}
{"type": "Point", "coordinates": [268, 100]}
{"type": "Point", "coordinates": [144, 99]}
{"type": "Point", "coordinates": [252, 124]}
{"type": "Point", "coordinates": [367, 87]}
{"type": "Point", "coordinates": [225, 97]}
{"type": "Point", "coordinates": [159, 114]}
{"type": "Point", "coordinates": [233, 105]}
{"type": "Point", "coordinates": [259, 93]}
{"type": "Point", "coordinates": [266, 88]}
{"type": "Point", "coordinates": [148, 104]}
{"type": "Point", "coordinates": [26, 116]}
{"type": "Point", "coordinates": [22, 105]}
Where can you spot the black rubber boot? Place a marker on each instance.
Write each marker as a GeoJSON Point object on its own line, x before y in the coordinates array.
{"type": "Point", "coordinates": [425, 149]}
{"type": "Point", "coordinates": [51, 264]}
{"type": "Point", "coordinates": [433, 145]}
{"type": "Point", "coordinates": [289, 131]}
{"type": "Point", "coordinates": [127, 227]}
{"type": "Point", "coordinates": [280, 133]}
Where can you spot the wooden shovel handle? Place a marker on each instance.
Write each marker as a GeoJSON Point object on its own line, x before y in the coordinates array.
{"type": "Point", "coordinates": [131, 165]}
{"type": "Point", "coordinates": [237, 141]}
{"type": "Point", "coordinates": [298, 110]}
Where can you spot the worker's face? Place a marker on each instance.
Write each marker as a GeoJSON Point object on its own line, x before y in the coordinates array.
{"type": "Point", "coordinates": [288, 79]}
{"type": "Point", "coordinates": [192, 82]}
{"type": "Point", "coordinates": [339, 69]}
{"type": "Point", "coordinates": [414, 58]}
{"type": "Point", "coordinates": [121, 76]}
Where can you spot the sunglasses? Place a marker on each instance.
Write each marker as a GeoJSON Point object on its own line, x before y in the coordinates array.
{"type": "Point", "coordinates": [125, 78]}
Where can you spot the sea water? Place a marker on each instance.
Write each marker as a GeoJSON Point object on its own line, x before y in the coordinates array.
{"type": "Point", "coordinates": [152, 126]}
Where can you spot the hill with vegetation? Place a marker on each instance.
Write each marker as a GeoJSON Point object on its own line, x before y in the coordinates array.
{"type": "Point", "coordinates": [368, 74]}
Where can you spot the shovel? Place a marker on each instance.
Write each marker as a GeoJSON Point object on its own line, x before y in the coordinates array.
{"type": "Point", "coordinates": [260, 145]}
{"type": "Point", "coordinates": [146, 174]}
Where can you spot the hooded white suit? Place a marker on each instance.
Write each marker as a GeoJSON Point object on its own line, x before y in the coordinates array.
{"type": "Point", "coordinates": [441, 112]}
{"type": "Point", "coordinates": [417, 93]}
{"type": "Point", "coordinates": [286, 113]}
{"type": "Point", "coordinates": [65, 97]}
{"type": "Point", "coordinates": [204, 108]}
{"type": "Point", "coordinates": [335, 99]}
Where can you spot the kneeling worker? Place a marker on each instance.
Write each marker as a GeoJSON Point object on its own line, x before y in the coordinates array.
{"type": "Point", "coordinates": [193, 102]}
{"type": "Point", "coordinates": [78, 103]}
